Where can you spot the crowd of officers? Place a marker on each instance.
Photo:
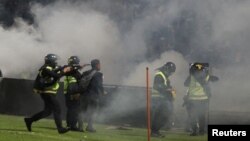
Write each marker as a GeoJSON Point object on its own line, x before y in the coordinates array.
{"type": "Point", "coordinates": [196, 100]}
{"type": "Point", "coordinates": [77, 100]}
{"type": "Point", "coordinates": [86, 100]}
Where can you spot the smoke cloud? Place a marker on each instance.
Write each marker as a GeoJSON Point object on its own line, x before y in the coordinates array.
{"type": "Point", "coordinates": [130, 36]}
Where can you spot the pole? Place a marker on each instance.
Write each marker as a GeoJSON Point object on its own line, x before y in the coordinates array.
{"type": "Point", "coordinates": [148, 103]}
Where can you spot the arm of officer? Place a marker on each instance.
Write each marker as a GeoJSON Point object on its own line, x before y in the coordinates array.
{"type": "Point", "coordinates": [57, 74]}
{"type": "Point", "coordinates": [213, 78]}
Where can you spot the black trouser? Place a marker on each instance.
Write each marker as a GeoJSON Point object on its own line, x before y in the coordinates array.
{"type": "Point", "coordinates": [91, 110]}
{"type": "Point", "coordinates": [162, 110]}
{"type": "Point", "coordinates": [188, 120]}
{"type": "Point", "coordinates": [72, 111]}
{"type": "Point", "coordinates": [51, 105]}
{"type": "Point", "coordinates": [198, 115]}
{"type": "Point", "coordinates": [89, 107]}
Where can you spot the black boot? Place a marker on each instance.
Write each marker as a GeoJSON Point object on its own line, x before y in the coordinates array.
{"type": "Point", "coordinates": [28, 123]}
{"type": "Point", "coordinates": [62, 130]}
{"type": "Point", "coordinates": [157, 134]}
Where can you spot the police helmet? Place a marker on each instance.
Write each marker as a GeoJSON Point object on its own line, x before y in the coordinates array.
{"type": "Point", "coordinates": [51, 59]}
{"type": "Point", "coordinates": [197, 66]}
{"type": "Point", "coordinates": [170, 67]}
{"type": "Point", "coordinates": [200, 66]}
{"type": "Point", "coordinates": [74, 60]}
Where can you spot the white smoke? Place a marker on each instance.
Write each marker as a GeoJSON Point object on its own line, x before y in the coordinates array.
{"type": "Point", "coordinates": [65, 30]}
{"type": "Point", "coordinates": [222, 31]}
{"type": "Point", "coordinates": [19, 50]}
{"type": "Point", "coordinates": [88, 29]}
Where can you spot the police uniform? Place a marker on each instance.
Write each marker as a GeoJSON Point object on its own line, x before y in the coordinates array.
{"type": "Point", "coordinates": [198, 96]}
{"type": "Point", "coordinates": [162, 102]}
{"type": "Point", "coordinates": [72, 97]}
{"type": "Point", "coordinates": [50, 75]}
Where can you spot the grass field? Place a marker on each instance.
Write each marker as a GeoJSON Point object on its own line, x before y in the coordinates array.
{"type": "Point", "coordinates": [12, 128]}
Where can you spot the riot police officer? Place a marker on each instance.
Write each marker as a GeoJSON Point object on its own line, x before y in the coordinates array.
{"type": "Point", "coordinates": [198, 96]}
{"type": "Point", "coordinates": [162, 98]}
{"type": "Point", "coordinates": [72, 93]}
{"type": "Point", "coordinates": [47, 85]}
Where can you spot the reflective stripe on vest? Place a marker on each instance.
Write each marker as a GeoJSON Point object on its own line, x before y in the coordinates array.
{"type": "Point", "coordinates": [52, 89]}
{"type": "Point", "coordinates": [67, 81]}
{"type": "Point", "coordinates": [154, 92]}
{"type": "Point", "coordinates": [196, 91]}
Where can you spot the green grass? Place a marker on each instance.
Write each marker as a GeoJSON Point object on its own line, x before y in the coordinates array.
{"type": "Point", "coordinates": [12, 128]}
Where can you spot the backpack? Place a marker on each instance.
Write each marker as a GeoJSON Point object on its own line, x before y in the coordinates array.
{"type": "Point", "coordinates": [41, 82]}
{"type": "Point", "coordinates": [85, 80]}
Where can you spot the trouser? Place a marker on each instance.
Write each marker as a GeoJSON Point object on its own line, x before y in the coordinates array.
{"type": "Point", "coordinates": [72, 115]}
{"type": "Point", "coordinates": [51, 105]}
{"type": "Point", "coordinates": [198, 115]}
{"type": "Point", "coordinates": [88, 107]}
{"type": "Point", "coordinates": [162, 110]}
{"type": "Point", "coordinates": [188, 120]}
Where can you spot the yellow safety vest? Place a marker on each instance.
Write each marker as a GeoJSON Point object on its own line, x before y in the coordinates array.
{"type": "Point", "coordinates": [67, 81]}
{"type": "Point", "coordinates": [51, 89]}
{"type": "Point", "coordinates": [154, 92]}
{"type": "Point", "coordinates": [196, 91]}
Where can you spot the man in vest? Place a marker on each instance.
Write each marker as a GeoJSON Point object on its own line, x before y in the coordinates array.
{"type": "Point", "coordinates": [162, 98]}
{"type": "Point", "coordinates": [198, 96]}
{"type": "Point", "coordinates": [72, 93]}
{"type": "Point", "coordinates": [47, 85]}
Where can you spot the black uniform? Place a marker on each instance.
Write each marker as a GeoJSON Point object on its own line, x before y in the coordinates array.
{"type": "Point", "coordinates": [91, 97]}
{"type": "Point", "coordinates": [72, 98]}
{"type": "Point", "coordinates": [48, 77]}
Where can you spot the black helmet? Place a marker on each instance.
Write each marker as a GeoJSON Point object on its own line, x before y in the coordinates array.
{"type": "Point", "coordinates": [197, 66]}
{"type": "Point", "coordinates": [73, 60]}
{"type": "Point", "coordinates": [51, 59]}
{"type": "Point", "coordinates": [201, 66]}
{"type": "Point", "coordinates": [94, 63]}
{"type": "Point", "coordinates": [170, 67]}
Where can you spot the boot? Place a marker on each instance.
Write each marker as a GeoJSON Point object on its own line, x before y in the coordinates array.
{"type": "Point", "coordinates": [28, 123]}
{"type": "Point", "coordinates": [157, 134]}
{"type": "Point", "coordinates": [62, 130]}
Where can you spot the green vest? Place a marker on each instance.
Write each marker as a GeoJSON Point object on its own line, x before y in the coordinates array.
{"type": "Point", "coordinates": [156, 93]}
{"type": "Point", "coordinates": [67, 81]}
{"type": "Point", "coordinates": [196, 91]}
{"type": "Point", "coordinates": [51, 89]}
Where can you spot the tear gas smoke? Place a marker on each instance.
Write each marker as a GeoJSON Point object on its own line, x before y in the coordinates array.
{"type": "Point", "coordinates": [129, 36]}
